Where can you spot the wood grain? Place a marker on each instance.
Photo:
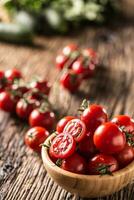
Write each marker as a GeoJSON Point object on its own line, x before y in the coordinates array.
{"type": "Point", "coordinates": [22, 174]}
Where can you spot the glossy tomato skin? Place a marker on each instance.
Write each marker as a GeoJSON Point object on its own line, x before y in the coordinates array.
{"type": "Point", "coordinates": [43, 86]}
{"type": "Point", "coordinates": [7, 102]}
{"type": "Point", "coordinates": [13, 74]}
{"type": "Point", "coordinates": [86, 70]}
{"type": "Point", "coordinates": [62, 146]}
{"type": "Point", "coordinates": [126, 156]}
{"type": "Point", "coordinates": [76, 128]}
{"type": "Point", "coordinates": [94, 116]}
{"type": "Point", "coordinates": [91, 54]}
{"type": "Point", "coordinates": [75, 163]}
{"type": "Point", "coordinates": [124, 121]}
{"type": "Point", "coordinates": [109, 138]}
{"type": "Point", "coordinates": [24, 108]}
{"type": "Point", "coordinates": [61, 60]}
{"type": "Point", "coordinates": [44, 119]}
{"type": "Point", "coordinates": [35, 137]}
{"type": "Point", "coordinates": [62, 123]}
{"type": "Point", "coordinates": [87, 147]}
{"type": "Point", "coordinates": [69, 49]}
{"type": "Point", "coordinates": [70, 81]}
{"type": "Point", "coordinates": [101, 160]}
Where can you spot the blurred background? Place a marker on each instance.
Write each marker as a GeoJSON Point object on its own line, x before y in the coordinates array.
{"type": "Point", "coordinates": [21, 20]}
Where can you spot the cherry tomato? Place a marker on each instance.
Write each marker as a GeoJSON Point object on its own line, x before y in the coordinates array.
{"type": "Point", "coordinates": [62, 123]}
{"type": "Point", "coordinates": [76, 128]}
{"type": "Point", "coordinates": [7, 102]}
{"type": "Point", "coordinates": [35, 137]}
{"type": "Point", "coordinates": [45, 119]}
{"type": "Point", "coordinates": [102, 164]}
{"type": "Point", "coordinates": [24, 107]}
{"type": "Point", "coordinates": [124, 121]}
{"type": "Point", "coordinates": [70, 81]}
{"type": "Point", "coordinates": [3, 81]}
{"type": "Point", "coordinates": [61, 61]}
{"type": "Point", "coordinates": [125, 156]}
{"type": "Point", "coordinates": [13, 74]}
{"type": "Point", "coordinates": [43, 86]}
{"type": "Point", "coordinates": [67, 50]}
{"type": "Point", "coordinates": [94, 116]}
{"type": "Point", "coordinates": [109, 138]}
{"type": "Point", "coordinates": [87, 147]}
{"type": "Point", "coordinates": [91, 54]}
{"type": "Point", "coordinates": [75, 163]}
{"type": "Point", "coordinates": [62, 146]}
{"type": "Point", "coordinates": [83, 67]}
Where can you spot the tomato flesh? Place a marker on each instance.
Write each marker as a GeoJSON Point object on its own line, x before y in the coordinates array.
{"type": "Point", "coordinates": [62, 146]}
{"type": "Point", "coordinates": [76, 128]}
{"type": "Point", "coordinates": [62, 123]}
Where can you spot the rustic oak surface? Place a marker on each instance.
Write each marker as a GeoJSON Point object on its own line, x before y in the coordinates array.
{"type": "Point", "coordinates": [22, 174]}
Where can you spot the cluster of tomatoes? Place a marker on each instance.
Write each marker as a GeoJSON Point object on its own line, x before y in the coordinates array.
{"type": "Point", "coordinates": [76, 65]}
{"type": "Point", "coordinates": [28, 101]}
{"type": "Point", "coordinates": [92, 144]}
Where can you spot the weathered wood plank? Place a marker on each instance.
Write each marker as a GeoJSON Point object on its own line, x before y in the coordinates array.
{"type": "Point", "coordinates": [22, 175]}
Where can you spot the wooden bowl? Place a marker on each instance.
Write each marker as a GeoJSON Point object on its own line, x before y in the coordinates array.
{"type": "Point", "coordinates": [87, 185]}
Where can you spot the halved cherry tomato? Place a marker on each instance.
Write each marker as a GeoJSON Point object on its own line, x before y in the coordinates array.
{"type": "Point", "coordinates": [13, 74]}
{"type": "Point", "coordinates": [109, 138]}
{"type": "Point", "coordinates": [125, 156]}
{"type": "Point", "coordinates": [62, 146]}
{"type": "Point", "coordinates": [94, 116]}
{"type": "Point", "coordinates": [102, 164]}
{"type": "Point", "coordinates": [87, 147]}
{"type": "Point", "coordinates": [62, 123]}
{"type": "Point", "coordinates": [35, 137]}
{"type": "Point", "coordinates": [75, 163]}
{"type": "Point", "coordinates": [76, 128]}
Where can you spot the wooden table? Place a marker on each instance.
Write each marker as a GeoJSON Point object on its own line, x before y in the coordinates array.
{"type": "Point", "coordinates": [22, 174]}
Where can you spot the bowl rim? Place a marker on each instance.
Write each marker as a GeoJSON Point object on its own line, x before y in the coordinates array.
{"type": "Point", "coordinates": [47, 159]}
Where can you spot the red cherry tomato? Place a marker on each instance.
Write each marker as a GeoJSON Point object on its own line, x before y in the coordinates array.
{"type": "Point", "coordinates": [43, 86]}
{"type": "Point", "coordinates": [70, 81]}
{"type": "Point", "coordinates": [35, 137]}
{"type": "Point", "coordinates": [87, 147]}
{"type": "Point", "coordinates": [25, 107]}
{"type": "Point", "coordinates": [67, 50]}
{"type": "Point", "coordinates": [62, 146]}
{"type": "Point", "coordinates": [127, 125]}
{"type": "Point", "coordinates": [75, 163]}
{"type": "Point", "coordinates": [45, 119]}
{"type": "Point", "coordinates": [94, 116]}
{"type": "Point", "coordinates": [124, 121]}
{"type": "Point", "coordinates": [102, 164]}
{"type": "Point", "coordinates": [125, 156]}
{"type": "Point", "coordinates": [109, 138]}
{"type": "Point", "coordinates": [7, 102]}
{"type": "Point", "coordinates": [83, 67]}
{"type": "Point", "coordinates": [3, 81]}
{"type": "Point", "coordinates": [61, 61]}
{"type": "Point", "coordinates": [76, 128]}
{"type": "Point", "coordinates": [13, 74]}
{"type": "Point", "coordinates": [91, 54]}
{"type": "Point", "coordinates": [62, 123]}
